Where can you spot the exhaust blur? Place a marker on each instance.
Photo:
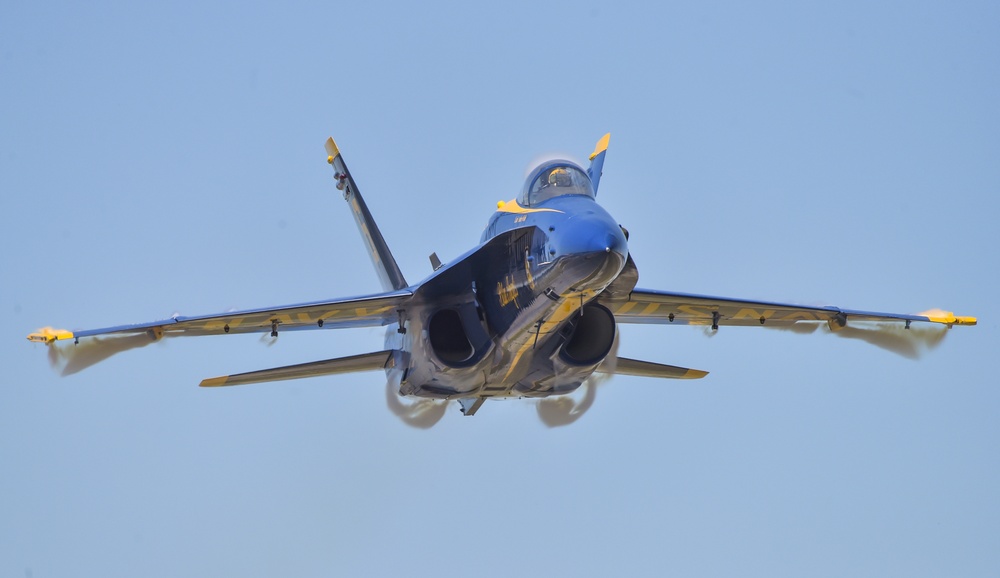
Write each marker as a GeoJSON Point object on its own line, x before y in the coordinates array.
{"type": "Point", "coordinates": [70, 359]}
{"type": "Point", "coordinates": [563, 410]}
{"type": "Point", "coordinates": [423, 413]}
{"type": "Point", "coordinates": [911, 343]}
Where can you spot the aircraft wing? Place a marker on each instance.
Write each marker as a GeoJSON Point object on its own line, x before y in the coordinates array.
{"type": "Point", "coordinates": [365, 311]}
{"type": "Point", "coordinates": [650, 306]}
{"type": "Point", "coordinates": [363, 362]}
{"type": "Point", "coordinates": [626, 366]}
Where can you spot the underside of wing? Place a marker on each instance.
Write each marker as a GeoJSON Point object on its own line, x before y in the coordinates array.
{"type": "Point", "coordinates": [626, 366]}
{"type": "Point", "coordinates": [363, 362]}
{"type": "Point", "coordinates": [649, 306]}
{"type": "Point", "coordinates": [366, 311]}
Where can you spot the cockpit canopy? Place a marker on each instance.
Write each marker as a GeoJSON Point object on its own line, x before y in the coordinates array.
{"type": "Point", "coordinates": [555, 179]}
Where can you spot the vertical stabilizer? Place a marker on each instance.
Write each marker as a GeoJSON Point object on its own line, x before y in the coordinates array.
{"type": "Point", "coordinates": [597, 160]}
{"type": "Point", "coordinates": [385, 265]}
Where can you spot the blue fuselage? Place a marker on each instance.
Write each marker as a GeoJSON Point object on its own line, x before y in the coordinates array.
{"type": "Point", "coordinates": [514, 317]}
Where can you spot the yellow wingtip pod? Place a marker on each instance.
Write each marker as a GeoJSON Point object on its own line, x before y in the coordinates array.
{"type": "Point", "coordinates": [48, 335]}
{"type": "Point", "coordinates": [602, 145]}
{"type": "Point", "coordinates": [500, 204]}
{"type": "Point", "coordinates": [947, 317]}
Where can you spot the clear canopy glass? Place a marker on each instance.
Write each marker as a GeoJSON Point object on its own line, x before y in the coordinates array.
{"type": "Point", "coordinates": [555, 180]}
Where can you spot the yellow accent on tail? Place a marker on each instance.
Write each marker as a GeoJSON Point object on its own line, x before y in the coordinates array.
{"type": "Point", "coordinates": [602, 145]}
{"type": "Point", "coordinates": [331, 150]}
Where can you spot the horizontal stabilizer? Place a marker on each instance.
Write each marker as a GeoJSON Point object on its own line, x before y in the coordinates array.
{"type": "Point", "coordinates": [626, 366]}
{"type": "Point", "coordinates": [363, 362]}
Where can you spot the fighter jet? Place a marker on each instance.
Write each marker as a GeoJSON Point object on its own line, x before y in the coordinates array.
{"type": "Point", "coordinates": [530, 312]}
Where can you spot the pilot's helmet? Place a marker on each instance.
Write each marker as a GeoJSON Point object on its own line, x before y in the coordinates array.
{"type": "Point", "coordinates": [559, 177]}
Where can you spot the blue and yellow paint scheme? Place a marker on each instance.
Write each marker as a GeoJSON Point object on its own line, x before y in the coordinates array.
{"type": "Point", "coordinates": [532, 311]}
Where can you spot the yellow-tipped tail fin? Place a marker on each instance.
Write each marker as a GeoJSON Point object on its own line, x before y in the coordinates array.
{"type": "Point", "coordinates": [331, 150]}
{"type": "Point", "coordinates": [597, 161]}
{"type": "Point", "coordinates": [602, 145]}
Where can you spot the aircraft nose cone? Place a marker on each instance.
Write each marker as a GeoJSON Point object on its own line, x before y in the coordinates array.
{"type": "Point", "coordinates": [598, 250]}
{"type": "Point", "coordinates": [612, 242]}
{"type": "Point", "coordinates": [591, 237]}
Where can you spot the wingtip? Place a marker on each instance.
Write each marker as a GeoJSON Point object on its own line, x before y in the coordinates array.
{"type": "Point", "coordinates": [48, 335]}
{"type": "Point", "coordinates": [948, 318]}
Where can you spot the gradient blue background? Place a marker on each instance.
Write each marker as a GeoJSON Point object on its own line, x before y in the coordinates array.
{"type": "Point", "coordinates": [161, 158]}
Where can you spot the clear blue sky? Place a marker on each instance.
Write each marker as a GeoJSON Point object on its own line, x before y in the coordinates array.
{"type": "Point", "coordinates": [167, 157]}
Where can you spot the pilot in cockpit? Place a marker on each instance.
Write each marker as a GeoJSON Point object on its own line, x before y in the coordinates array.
{"type": "Point", "coordinates": [559, 177]}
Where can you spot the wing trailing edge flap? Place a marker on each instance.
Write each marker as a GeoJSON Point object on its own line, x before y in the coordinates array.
{"type": "Point", "coordinates": [351, 364]}
{"type": "Point", "coordinates": [626, 366]}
